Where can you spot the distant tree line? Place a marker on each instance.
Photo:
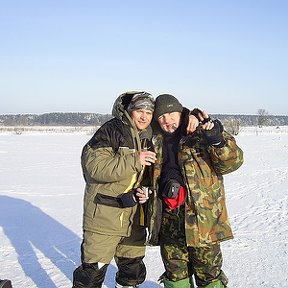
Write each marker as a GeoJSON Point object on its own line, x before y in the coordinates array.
{"type": "Point", "coordinates": [54, 119]}
{"type": "Point", "coordinates": [254, 120]}
{"type": "Point", "coordinates": [75, 119]}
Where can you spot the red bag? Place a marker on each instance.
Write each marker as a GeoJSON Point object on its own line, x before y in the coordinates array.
{"type": "Point", "coordinates": [173, 203]}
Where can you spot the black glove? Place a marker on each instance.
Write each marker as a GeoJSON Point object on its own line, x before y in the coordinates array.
{"type": "Point", "coordinates": [128, 199]}
{"type": "Point", "coordinates": [214, 136]}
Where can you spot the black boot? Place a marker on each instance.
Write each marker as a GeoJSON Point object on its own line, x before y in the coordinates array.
{"type": "Point", "coordinates": [5, 283]}
{"type": "Point", "coordinates": [131, 272]}
{"type": "Point", "coordinates": [117, 285]}
{"type": "Point", "coordinates": [88, 275]}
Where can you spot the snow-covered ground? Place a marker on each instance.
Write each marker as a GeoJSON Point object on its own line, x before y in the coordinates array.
{"type": "Point", "coordinates": [41, 190]}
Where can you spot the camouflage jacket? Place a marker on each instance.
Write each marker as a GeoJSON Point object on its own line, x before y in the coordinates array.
{"type": "Point", "coordinates": [203, 167]}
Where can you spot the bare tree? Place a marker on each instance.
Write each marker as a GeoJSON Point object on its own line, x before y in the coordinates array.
{"type": "Point", "coordinates": [263, 116]}
{"type": "Point", "coordinates": [232, 126]}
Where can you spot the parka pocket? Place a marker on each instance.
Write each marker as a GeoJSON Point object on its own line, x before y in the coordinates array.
{"type": "Point", "coordinates": [111, 220]}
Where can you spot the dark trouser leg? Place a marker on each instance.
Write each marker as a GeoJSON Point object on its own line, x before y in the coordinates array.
{"type": "Point", "coordinates": [131, 271]}
{"type": "Point", "coordinates": [175, 260]}
{"type": "Point", "coordinates": [174, 251]}
{"type": "Point", "coordinates": [89, 276]}
{"type": "Point", "coordinates": [207, 264]}
{"type": "Point", "coordinates": [181, 261]}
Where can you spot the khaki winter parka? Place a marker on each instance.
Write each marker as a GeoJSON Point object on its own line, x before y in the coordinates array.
{"type": "Point", "coordinates": [203, 167]}
{"type": "Point", "coordinates": [111, 167]}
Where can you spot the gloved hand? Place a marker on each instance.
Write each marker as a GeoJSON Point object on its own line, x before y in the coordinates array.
{"type": "Point", "coordinates": [214, 136]}
{"type": "Point", "coordinates": [128, 199]}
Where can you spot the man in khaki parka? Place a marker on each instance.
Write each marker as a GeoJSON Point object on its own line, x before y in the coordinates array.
{"type": "Point", "coordinates": [113, 164]}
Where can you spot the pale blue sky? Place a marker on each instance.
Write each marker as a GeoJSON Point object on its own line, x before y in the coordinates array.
{"type": "Point", "coordinates": [224, 56]}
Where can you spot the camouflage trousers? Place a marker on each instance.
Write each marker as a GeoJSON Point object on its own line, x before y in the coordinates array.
{"type": "Point", "coordinates": [181, 261]}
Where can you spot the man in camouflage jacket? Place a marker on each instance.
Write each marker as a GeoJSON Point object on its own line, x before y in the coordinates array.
{"type": "Point", "coordinates": [187, 213]}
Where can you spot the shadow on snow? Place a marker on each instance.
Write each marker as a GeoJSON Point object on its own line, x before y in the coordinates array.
{"type": "Point", "coordinates": [29, 230]}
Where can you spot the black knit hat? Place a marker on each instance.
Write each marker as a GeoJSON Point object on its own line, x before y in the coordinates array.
{"type": "Point", "coordinates": [166, 103]}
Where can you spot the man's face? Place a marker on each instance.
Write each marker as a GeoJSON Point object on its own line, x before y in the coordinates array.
{"type": "Point", "coordinates": [141, 118]}
{"type": "Point", "coordinates": [169, 122]}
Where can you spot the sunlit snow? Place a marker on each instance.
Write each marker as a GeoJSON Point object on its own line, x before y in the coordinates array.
{"type": "Point", "coordinates": [41, 192]}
